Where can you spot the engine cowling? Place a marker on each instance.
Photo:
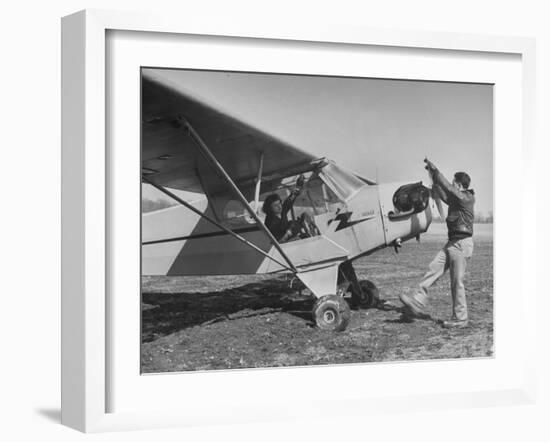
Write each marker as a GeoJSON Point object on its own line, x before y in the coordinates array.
{"type": "Point", "coordinates": [409, 199]}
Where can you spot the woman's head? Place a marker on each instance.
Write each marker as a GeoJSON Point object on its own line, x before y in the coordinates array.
{"type": "Point", "coordinates": [272, 205]}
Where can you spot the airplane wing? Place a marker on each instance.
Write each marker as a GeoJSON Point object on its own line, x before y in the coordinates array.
{"type": "Point", "coordinates": [171, 159]}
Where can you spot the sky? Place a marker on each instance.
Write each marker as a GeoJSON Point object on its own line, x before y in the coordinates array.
{"type": "Point", "coordinates": [379, 128]}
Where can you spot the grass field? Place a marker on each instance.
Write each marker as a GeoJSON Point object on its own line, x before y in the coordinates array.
{"type": "Point", "coordinates": [226, 322]}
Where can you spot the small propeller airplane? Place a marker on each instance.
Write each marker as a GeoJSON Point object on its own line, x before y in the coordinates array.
{"type": "Point", "coordinates": [189, 145]}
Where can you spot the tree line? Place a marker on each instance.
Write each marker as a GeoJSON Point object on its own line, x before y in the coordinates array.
{"type": "Point", "coordinates": [479, 218]}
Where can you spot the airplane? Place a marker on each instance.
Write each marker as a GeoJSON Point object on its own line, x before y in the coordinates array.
{"type": "Point", "coordinates": [190, 145]}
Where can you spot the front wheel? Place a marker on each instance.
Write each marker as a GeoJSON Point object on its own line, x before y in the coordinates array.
{"type": "Point", "coordinates": [331, 312]}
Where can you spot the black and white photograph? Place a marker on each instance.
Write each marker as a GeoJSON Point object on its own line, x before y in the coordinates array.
{"type": "Point", "coordinates": [245, 221]}
{"type": "Point", "coordinates": [300, 220]}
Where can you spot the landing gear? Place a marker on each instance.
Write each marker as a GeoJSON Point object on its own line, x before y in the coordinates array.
{"type": "Point", "coordinates": [367, 297]}
{"type": "Point", "coordinates": [364, 294]}
{"type": "Point", "coordinates": [331, 312]}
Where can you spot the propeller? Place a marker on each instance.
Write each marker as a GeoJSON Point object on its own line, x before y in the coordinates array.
{"type": "Point", "coordinates": [438, 203]}
{"type": "Point", "coordinates": [435, 195]}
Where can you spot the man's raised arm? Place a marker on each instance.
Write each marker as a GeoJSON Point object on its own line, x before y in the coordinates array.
{"type": "Point", "coordinates": [436, 188]}
{"type": "Point", "coordinates": [442, 183]}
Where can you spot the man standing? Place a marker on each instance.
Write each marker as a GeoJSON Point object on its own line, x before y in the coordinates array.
{"type": "Point", "coordinates": [453, 256]}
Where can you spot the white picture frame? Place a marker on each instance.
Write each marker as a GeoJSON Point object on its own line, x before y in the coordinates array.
{"type": "Point", "coordinates": [87, 215]}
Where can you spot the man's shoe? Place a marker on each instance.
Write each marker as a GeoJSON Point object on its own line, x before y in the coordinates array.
{"type": "Point", "coordinates": [416, 307]}
{"type": "Point", "coordinates": [455, 323]}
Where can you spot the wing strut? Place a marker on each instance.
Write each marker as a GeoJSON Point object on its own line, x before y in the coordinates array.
{"type": "Point", "coordinates": [212, 159]}
{"type": "Point", "coordinates": [220, 226]}
{"type": "Point", "coordinates": [258, 183]}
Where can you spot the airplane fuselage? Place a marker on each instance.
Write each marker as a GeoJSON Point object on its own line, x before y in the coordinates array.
{"type": "Point", "coordinates": [177, 242]}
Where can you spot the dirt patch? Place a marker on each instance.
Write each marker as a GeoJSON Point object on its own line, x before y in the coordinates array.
{"type": "Point", "coordinates": [225, 322]}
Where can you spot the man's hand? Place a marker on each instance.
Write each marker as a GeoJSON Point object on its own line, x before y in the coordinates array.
{"type": "Point", "coordinates": [429, 165]}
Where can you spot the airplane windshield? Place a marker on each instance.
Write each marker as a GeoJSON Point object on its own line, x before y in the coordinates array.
{"type": "Point", "coordinates": [344, 183]}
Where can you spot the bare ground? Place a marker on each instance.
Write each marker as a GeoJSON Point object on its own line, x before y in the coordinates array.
{"type": "Point", "coordinates": [226, 322]}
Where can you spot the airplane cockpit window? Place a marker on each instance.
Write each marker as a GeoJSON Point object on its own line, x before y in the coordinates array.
{"type": "Point", "coordinates": [323, 193]}
{"type": "Point", "coordinates": [316, 201]}
{"type": "Point", "coordinates": [344, 183]}
{"type": "Point", "coordinates": [316, 198]}
{"type": "Point", "coordinates": [236, 214]}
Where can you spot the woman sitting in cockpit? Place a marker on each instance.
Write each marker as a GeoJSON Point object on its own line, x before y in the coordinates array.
{"type": "Point", "coordinates": [276, 220]}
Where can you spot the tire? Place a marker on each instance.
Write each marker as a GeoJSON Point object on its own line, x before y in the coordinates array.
{"type": "Point", "coordinates": [370, 296]}
{"type": "Point", "coordinates": [331, 312]}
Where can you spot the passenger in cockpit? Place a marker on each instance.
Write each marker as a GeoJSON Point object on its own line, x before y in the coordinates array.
{"type": "Point", "coordinates": [276, 220]}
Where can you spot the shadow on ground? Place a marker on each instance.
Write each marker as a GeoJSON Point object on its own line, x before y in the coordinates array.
{"type": "Point", "coordinates": [167, 313]}
{"type": "Point", "coordinates": [244, 321]}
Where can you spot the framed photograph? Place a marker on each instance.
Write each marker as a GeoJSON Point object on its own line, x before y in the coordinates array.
{"type": "Point", "coordinates": [273, 222]}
